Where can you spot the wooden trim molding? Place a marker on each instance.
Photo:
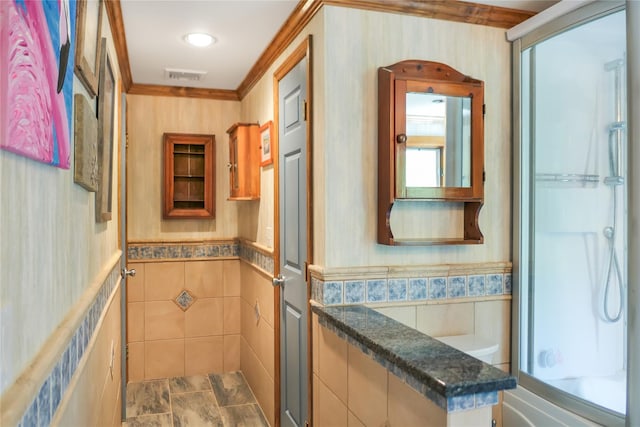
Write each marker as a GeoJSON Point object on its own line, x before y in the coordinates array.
{"type": "Point", "coordinates": [187, 92]}
{"type": "Point", "coordinates": [302, 52]}
{"type": "Point", "coordinates": [299, 18]}
{"type": "Point", "coordinates": [114, 13]}
{"type": "Point", "coordinates": [450, 10]}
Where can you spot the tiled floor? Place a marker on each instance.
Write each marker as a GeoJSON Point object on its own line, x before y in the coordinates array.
{"type": "Point", "coordinates": [213, 400]}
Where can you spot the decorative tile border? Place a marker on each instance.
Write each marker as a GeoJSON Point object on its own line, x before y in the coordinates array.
{"type": "Point", "coordinates": [403, 289]}
{"type": "Point", "coordinates": [253, 255]}
{"type": "Point", "coordinates": [181, 251]}
{"type": "Point", "coordinates": [46, 402]}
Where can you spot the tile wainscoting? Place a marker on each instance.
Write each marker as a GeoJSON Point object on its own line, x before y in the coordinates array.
{"type": "Point", "coordinates": [386, 285]}
{"type": "Point", "coordinates": [30, 405]}
{"type": "Point", "coordinates": [250, 252]}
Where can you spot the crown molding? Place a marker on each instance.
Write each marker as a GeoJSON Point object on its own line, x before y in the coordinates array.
{"type": "Point", "coordinates": [185, 92]}
{"type": "Point", "coordinates": [114, 13]}
{"type": "Point", "coordinates": [449, 10]}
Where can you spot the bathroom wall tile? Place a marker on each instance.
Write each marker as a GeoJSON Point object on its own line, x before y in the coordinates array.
{"type": "Point", "coordinates": [163, 320]}
{"type": "Point", "coordinates": [185, 299]}
{"type": "Point", "coordinates": [30, 417]}
{"type": "Point", "coordinates": [231, 315]}
{"type": "Point", "coordinates": [418, 289]}
{"type": "Point", "coordinates": [204, 278]}
{"type": "Point", "coordinates": [231, 274]}
{"type": "Point", "coordinates": [507, 283]}
{"type": "Point", "coordinates": [331, 411]}
{"type": "Point", "coordinates": [367, 388]}
{"type": "Point", "coordinates": [493, 284]}
{"type": "Point", "coordinates": [332, 362]}
{"type": "Point", "coordinates": [203, 355]}
{"type": "Point", "coordinates": [317, 290]}
{"type": "Point", "coordinates": [205, 317]}
{"type": "Point", "coordinates": [163, 280]}
{"type": "Point", "coordinates": [135, 362]}
{"type": "Point", "coordinates": [56, 387]}
{"type": "Point", "coordinates": [445, 319]}
{"type": "Point", "coordinates": [135, 321]}
{"type": "Point", "coordinates": [457, 286]}
{"type": "Point", "coordinates": [164, 359]}
{"type": "Point", "coordinates": [376, 290]}
{"type": "Point", "coordinates": [493, 322]}
{"type": "Point", "coordinates": [44, 404]}
{"type": "Point", "coordinates": [409, 408]}
{"type": "Point", "coordinates": [212, 250]}
{"type": "Point", "coordinates": [404, 314]}
{"type": "Point", "coordinates": [486, 399]}
{"type": "Point", "coordinates": [437, 287]}
{"type": "Point", "coordinates": [460, 403]}
{"type": "Point", "coordinates": [231, 357]}
{"type": "Point", "coordinates": [397, 289]}
{"type": "Point", "coordinates": [353, 421]}
{"type": "Point", "coordinates": [476, 285]}
{"type": "Point", "coordinates": [354, 291]}
{"type": "Point", "coordinates": [332, 293]}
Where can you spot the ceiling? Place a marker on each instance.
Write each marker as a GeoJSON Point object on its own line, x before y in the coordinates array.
{"type": "Point", "coordinates": [154, 31]}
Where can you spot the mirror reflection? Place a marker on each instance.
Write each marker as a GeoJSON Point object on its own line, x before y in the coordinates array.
{"type": "Point", "coordinates": [438, 145]}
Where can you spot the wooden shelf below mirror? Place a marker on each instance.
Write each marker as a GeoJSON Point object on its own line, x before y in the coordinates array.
{"type": "Point", "coordinates": [189, 186]}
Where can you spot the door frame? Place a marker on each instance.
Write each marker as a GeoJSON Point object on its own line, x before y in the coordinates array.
{"type": "Point", "coordinates": [302, 52]}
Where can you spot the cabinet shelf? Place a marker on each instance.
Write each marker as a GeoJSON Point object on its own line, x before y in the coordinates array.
{"type": "Point", "coordinates": [189, 171]}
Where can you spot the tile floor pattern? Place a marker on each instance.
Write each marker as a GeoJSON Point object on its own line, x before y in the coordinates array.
{"type": "Point", "coordinates": [214, 400]}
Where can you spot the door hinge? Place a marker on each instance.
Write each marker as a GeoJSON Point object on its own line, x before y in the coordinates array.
{"type": "Point", "coordinates": [306, 110]}
{"type": "Point", "coordinates": [126, 352]}
{"type": "Point", "coordinates": [484, 109]}
{"type": "Point", "coordinates": [484, 176]}
{"type": "Point", "coordinates": [306, 272]}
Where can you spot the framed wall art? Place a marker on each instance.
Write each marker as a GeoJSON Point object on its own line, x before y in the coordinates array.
{"type": "Point", "coordinates": [266, 143]}
{"type": "Point", "coordinates": [36, 79]}
{"type": "Point", "coordinates": [85, 155]}
{"type": "Point", "coordinates": [106, 103]}
{"type": "Point", "coordinates": [89, 24]}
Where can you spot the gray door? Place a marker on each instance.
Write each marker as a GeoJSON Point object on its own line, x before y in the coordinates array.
{"type": "Point", "coordinates": [292, 159]}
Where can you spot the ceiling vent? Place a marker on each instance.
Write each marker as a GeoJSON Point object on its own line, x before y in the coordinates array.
{"type": "Point", "coordinates": [184, 75]}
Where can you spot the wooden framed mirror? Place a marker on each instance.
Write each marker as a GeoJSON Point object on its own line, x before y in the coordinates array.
{"type": "Point", "coordinates": [430, 143]}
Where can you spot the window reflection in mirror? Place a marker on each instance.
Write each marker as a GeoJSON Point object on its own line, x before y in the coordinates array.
{"type": "Point", "coordinates": [438, 151]}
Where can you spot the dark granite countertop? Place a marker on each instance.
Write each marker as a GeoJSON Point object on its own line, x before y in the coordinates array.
{"type": "Point", "coordinates": [428, 365]}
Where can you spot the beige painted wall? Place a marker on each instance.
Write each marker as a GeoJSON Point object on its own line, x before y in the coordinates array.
{"type": "Point", "coordinates": [255, 220]}
{"type": "Point", "coordinates": [348, 47]}
{"type": "Point", "coordinates": [51, 249]}
{"type": "Point", "coordinates": [148, 118]}
{"type": "Point", "coordinates": [356, 43]}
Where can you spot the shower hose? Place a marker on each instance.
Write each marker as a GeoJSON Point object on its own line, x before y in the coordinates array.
{"type": "Point", "coordinates": [613, 266]}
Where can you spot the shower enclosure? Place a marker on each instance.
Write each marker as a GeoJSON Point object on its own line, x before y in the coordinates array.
{"type": "Point", "coordinates": [571, 243]}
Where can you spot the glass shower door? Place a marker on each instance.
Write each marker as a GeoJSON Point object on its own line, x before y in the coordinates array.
{"type": "Point", "coordinates": [573, 219]}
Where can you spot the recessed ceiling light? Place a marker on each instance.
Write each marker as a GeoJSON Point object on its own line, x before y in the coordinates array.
{"type": "Point", "coordinates": [199, 39]}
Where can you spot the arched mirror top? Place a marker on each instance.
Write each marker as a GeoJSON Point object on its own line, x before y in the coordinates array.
{"type": "Point", "coordinates": [431, 138]}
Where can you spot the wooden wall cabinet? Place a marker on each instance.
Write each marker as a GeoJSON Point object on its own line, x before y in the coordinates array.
{"type": "Point", "coordinates": [189, 176]}
{"type": "Point", "coordinates": [430, 144]}
{"type": "Point", "coordinates": [244, 161]}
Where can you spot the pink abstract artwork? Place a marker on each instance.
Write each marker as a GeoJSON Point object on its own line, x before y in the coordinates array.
{"type": "Point", "coordinates": [36, 78]}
